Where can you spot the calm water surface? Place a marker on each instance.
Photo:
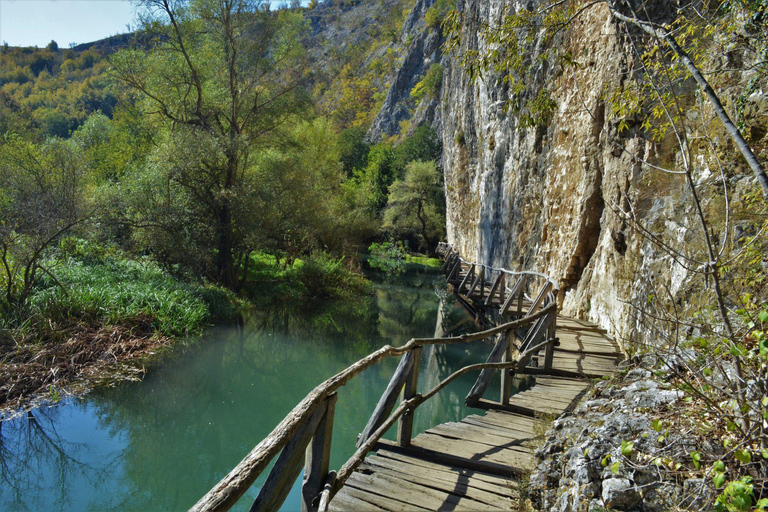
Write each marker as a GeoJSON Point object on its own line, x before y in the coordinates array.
{"type": "Point", "coordinates": [160, 444]}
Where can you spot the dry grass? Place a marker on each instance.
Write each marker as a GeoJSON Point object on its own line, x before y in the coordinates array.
{"type": "Point", "coordinates": [82, 355]}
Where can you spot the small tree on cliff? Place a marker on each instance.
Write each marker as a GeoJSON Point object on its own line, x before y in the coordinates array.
{"type": "Point", "coordinates": [223, 76]}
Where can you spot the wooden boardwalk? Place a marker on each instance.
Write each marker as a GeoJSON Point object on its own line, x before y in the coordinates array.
{"type": "Point", "coordinates": [474, 464]}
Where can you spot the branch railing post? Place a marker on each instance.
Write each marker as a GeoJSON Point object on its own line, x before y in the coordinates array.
{"type": "Point", "coordinates": [549, 352]}
{"type": "Point", "coordinates": [317, 459]}
{"type": "Point", "coordinates": [470, 274]}
{"type": "Point", "coordinates": [288, 465]}
{"type": "Point", "coordinates": [506, 374]}
{"type": "Point", "coordinates": [405, 425]}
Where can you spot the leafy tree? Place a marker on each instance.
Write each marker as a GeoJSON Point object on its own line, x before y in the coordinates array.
{"type": "Point", "coordinates": [224, 76]}
{"type": "Point", "coordinates": [375, 178]}
{"type": "Point", "coordinates": [424, 145]}
{"type": "Point", "coordinates": [416, 208]}
{"type": "Point", "coordinates": [297, 188]}
{"type": "Point", "coordinates": [354, 149]}
{"type": "Point", "coordinates": [41, 199]}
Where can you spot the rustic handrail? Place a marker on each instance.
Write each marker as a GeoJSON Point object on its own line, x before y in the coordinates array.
{"type": "Point", "coordinates": [308, 426]}
{"type": "Point", "coordinates": [340, 477]}
{"type": "Point", "coordinates": [232, 487]}
{"type": "Point", "coordinates": [510, 298]}
{"type": "Point", "coordinates": [444, 249]}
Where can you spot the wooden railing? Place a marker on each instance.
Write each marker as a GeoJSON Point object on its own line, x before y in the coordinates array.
{"type": "Point", "coordinates": [501, 294]}
{"type": "Point", "coordinates": [303, 438]}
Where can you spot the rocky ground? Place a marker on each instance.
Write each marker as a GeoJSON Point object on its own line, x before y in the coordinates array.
{"type": "Point", "coordinates": [627, 447]}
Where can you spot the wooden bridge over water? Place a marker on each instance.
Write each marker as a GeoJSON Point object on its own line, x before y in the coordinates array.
{"type": "Point", "coordinates": [472, 464]}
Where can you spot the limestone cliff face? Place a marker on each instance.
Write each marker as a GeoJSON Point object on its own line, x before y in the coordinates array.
{"type": "Point", "coordinates": [549, 198]}
{"type": "Point", "coordinates": [543, 198]}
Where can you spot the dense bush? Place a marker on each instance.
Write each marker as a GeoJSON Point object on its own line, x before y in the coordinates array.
{"type": "Point", "coordinates": [102, 286]}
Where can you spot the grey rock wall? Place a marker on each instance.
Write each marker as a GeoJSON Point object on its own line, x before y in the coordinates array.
{"type": "Point", "coordinates": [544, 198]}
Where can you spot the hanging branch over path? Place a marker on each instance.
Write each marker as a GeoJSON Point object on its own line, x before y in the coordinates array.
{"type": "Point", "coordinates": [709, 92]}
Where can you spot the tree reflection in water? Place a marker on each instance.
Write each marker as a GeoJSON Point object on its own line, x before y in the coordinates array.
{"type": "Point", "coordinates": [34, 453]}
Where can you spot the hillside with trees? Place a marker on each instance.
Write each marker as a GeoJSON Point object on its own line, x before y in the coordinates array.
{"type": "Point", "coordinates": [221, 150]}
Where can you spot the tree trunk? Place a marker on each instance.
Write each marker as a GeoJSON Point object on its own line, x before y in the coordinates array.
{"type": "Point", "coordinates": [225, 261]}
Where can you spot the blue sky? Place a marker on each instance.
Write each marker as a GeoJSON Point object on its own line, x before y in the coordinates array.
{"type": "Point", "coordinates": [37, 22]}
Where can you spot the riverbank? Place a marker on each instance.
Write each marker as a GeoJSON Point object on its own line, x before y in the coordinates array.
{"type": "Point", "coordinates": [102, 316]}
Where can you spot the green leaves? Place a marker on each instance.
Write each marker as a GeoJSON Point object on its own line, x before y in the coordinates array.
{"type": "Point", "coordinates": [615, 468]}
{"type": "Point", "coordinates": [743, 456]}
{"type": "Point", "coordinates": [627, 448]}
{"type": "Point", "coordinates": [696, 458]}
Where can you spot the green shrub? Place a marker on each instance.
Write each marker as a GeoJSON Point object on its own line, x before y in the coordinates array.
{"type": "Point", "coordinates": [100, 285]}
{"type": "Point", "coordinates": [326, 277]}
{"type": "Point", "coordinates": [429, 86]}
{"type": "Point", "coordinates": [437, 13]}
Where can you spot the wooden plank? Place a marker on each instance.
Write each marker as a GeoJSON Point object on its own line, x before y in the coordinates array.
{"type": "Point", "coordinates": [460, 485]}
{"type": "Point", "coordinates": [511, 433]}
{"type": "Point", "coordinates": [443, 456]}
{"type": "Point", "coordinates": [317, 459]}
{"type": "Point", "coordinates": [517, 457]}
{"type": "Point", "coordinates": [349, 499]}
{"type": "Point", "coordinates": [288, 465]}
{"type": "Point", "coordinates": [511, 420]}
{"type": "Point", "coordinates": [440, 475]}
{"type": "Point", "coordinates": [524, 409]}
{"type": "Point", "coordinates": [376, 500]}
{"type": "Point", "coordinates": [492, 480]}
{"type": "Point", "coordinates": [392, 487]}
{"type": "Point", "coordinates": [467, 432]}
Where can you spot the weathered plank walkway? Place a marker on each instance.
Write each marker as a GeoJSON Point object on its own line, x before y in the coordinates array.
{"type": "Point", "coordinates": [473, 464]}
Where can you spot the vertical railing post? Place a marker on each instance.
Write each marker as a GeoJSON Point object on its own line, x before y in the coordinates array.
{"type": "Point", "coordinates": [521, 296]}
{"type": "Point", "coordinates": [506, 374]}
{"type": "Point", "coordinates": [405, 424]}
{"type": "Point", "coordinates": [317, 459]}
{"type": "Point", "coordinates": [468, 277]}
{"type": "Point", "coordinates": [549, 354]}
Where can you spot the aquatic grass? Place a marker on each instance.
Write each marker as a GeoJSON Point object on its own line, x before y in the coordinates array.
{"type": "Point", "coordinates": [424, 260]}
{"type": "Point", "coordinates": [118, 290]}
{"type": "Point", "coordinates": [315, 277]}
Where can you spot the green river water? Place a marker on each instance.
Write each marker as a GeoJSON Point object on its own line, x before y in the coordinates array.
{"type": "Point", "coordinates": [162, 443]}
